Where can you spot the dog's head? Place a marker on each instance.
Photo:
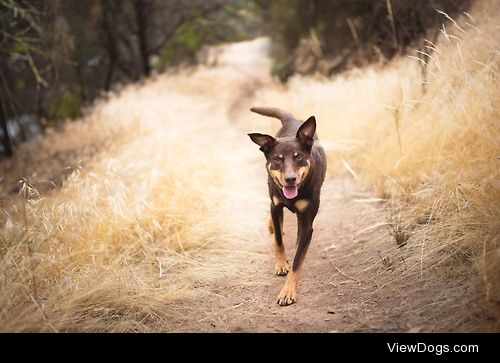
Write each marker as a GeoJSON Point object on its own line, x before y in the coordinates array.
{"type": "Point", "coordinates": [289, 158]}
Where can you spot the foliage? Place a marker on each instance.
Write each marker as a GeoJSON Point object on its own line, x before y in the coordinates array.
{"type": "Point", "coordinates": [329, 36]}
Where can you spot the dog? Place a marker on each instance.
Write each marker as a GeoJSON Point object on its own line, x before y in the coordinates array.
{"type": "Point", "coordinates": [296, 167]}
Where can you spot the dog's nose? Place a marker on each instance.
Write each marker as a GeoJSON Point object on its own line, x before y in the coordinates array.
{"type": "Point", "coordinates": [290, 179]}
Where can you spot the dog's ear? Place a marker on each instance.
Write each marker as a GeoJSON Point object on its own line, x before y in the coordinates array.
{"type": "Point", "coordinates": [305, 133]}
{"type": "Point", "coordinates": [264, 141]}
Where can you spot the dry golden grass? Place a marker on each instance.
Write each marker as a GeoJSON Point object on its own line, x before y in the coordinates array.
{"type": "Point", "coordinates": [435, 154]}
{"type": "Point", "coordinates": [113, 248]}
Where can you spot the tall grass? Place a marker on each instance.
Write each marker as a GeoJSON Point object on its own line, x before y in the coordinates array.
{"type": "Point", "coordinates": [433, 153]}
{"type": "Point", "coordinates": [121, 241]}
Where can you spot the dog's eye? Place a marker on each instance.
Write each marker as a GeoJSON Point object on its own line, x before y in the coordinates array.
{"type": "Point", "coordinates": [298, 156]}
{"type": "Point", "coordinates": [277, 159]}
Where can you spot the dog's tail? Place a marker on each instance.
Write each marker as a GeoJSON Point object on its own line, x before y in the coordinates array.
{"type": "Point", "coordinates": [274, 112]}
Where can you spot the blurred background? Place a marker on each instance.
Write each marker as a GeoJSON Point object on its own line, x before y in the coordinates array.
{"type": "Point", "coordinates": [57, 56]}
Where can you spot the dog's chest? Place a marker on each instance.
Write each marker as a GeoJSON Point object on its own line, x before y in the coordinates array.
{"type": "Point", "coordinates": [296, 205]}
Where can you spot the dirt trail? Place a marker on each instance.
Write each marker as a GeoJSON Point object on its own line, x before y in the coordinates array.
{"type": "Point", "coordinates": [333, 295]}
{"type": "Point", "coordinates": [354, 278]}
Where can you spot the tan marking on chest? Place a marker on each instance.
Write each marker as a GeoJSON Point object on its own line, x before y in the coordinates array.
{"type": "Point", "coordinates": [301, 205]}
{"type": "Point", "coordinates": [276, 201]}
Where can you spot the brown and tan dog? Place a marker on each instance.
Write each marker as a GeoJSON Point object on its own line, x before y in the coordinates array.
{"type": "Point", "coordinates": [296, 167]}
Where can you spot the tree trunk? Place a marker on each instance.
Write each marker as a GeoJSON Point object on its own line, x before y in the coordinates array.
{"type": "Point", "coordinates": [140, 20]}
{"type": "Point", "coordinates": [7, 145]}
{"type": "Point", "coordinates": [111, 46]}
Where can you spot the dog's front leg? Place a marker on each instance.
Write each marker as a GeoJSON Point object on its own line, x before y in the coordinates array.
{"type": "Point", "coordinates": [288, 294]}
{"type": "Point", "coordinates": [281, 266]}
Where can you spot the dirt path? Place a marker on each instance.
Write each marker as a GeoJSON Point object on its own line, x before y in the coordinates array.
{"type": "Point", "coordinates": [333, 296]}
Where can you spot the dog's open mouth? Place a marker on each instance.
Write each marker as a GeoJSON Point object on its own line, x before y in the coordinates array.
{"type": "Point", "coordinates": [290, 192]}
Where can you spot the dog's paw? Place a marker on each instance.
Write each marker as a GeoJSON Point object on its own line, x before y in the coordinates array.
{"type": "Point", "coordinates": [288, 295]}
{"type": "Point", "coordinates": [281, 268]}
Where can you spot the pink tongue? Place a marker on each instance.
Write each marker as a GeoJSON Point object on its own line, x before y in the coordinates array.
{"type": "Point", "coordinates": [290, 192]}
